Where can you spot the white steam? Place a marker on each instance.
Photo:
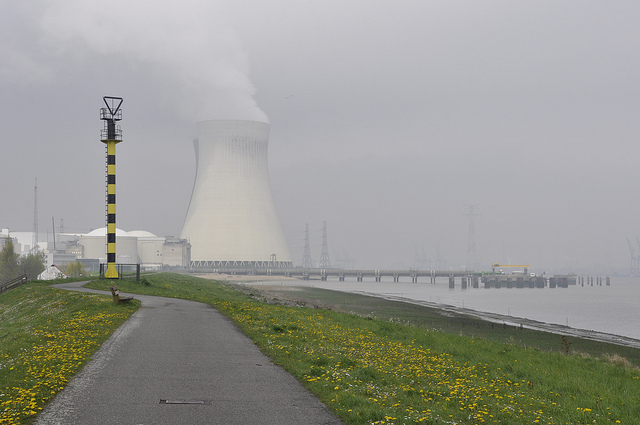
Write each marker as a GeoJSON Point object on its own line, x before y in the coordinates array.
{"type": "Point", "coordinates": [185, 50]}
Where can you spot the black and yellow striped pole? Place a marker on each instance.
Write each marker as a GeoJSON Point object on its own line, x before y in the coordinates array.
{"type": "Point", "coordinates": [111, 135]}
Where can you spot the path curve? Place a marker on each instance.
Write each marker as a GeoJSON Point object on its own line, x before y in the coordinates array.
{"type": "Point", "coordinates": [181, 362]}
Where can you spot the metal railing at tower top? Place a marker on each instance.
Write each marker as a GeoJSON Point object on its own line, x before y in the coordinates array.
{"type": "Point", "coordinates": [110, 115]}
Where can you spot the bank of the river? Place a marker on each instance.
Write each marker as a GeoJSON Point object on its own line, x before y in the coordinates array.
{"type": "Point", "coordinates": [371, 370]}
{"type": "Point", "coordinates": [454, 319]}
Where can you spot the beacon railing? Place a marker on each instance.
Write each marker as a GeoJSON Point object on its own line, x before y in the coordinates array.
{"type": "Point", "coordinates": [124, 270]}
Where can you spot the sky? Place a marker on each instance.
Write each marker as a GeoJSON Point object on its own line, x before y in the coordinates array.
{"type": "Point", "coordinates": [390, 121]}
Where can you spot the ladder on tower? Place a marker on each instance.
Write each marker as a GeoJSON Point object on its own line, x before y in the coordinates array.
{"type": "Point", "coordinates": [106, 195]}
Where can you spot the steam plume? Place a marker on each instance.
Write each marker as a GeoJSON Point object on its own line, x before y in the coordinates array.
{"type": "Point", "coordinates": [186, 47]}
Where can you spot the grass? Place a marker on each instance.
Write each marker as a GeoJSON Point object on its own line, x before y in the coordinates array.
{"type": "Point", "coordinates": [449, 322]}
{"type": "Point", "coordinates": [370, 370]}
{"type": "Point", "coordinates": [46, 336]}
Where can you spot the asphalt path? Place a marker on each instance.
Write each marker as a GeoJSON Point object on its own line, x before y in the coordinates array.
{"type": "Point", "coordinates": [181, 362]}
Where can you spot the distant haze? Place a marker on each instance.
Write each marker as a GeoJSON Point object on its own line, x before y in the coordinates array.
{"type": "Point", "coordinates": [388, 119]}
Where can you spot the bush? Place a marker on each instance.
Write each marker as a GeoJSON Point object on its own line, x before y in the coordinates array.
{"type": "Point", "coordinates": [75, 270]}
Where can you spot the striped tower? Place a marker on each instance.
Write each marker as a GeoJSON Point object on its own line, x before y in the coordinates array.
{"type": "Point", "coordinates": [111, 136]}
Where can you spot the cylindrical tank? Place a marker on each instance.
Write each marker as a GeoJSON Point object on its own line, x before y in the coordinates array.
{"type": "Point", "coordinates": [232, 220]}
{"type": "Point", "coordinates": [94, 241]}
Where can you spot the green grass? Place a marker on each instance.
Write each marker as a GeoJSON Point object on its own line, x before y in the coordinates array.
{"type": "Point", "coordinates": [46, 336]}
{"type": "Point", "coordinates": [373, 370]}
{"type": "Point", "coordinates": [449, 322]}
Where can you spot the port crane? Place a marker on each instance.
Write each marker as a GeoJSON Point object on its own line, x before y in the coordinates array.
{"type": "Point", "coordinates": [494, 266]}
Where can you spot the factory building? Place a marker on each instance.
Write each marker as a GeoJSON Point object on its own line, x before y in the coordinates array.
{"type": "Point", "coordinates": [137, 246]}
{"type": "Point", "coordinates": [150, 251]}
{"type": "Point", "coordinates": [149, 248]}
{"type": "Point", "coordinates": [176, 252]}
{"type": "Point", "coordinates": [94, 246]}
{"type": "Point", "coordinates": [21, 240]}
{"type": "Point", "coordinates": [232, 219]}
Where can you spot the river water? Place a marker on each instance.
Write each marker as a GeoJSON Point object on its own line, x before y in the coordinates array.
{"type": "Point", "coordinates": [613, 309]}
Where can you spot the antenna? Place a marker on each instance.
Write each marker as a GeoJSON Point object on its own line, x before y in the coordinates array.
{"type": "Point", "coordinates": [111, 135]}
{"type": "Point", "coordinates": [53, 226]}
{"type": "Point", "coordinates": [324, 253]}
{"type": "Point", "coordinates": [34, 236]}
{"type": "Point", "coordinates": [307, 262]}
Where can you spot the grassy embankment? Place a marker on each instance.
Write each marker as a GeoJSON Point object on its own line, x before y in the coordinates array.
{"type": "Point", "coordinates": [369, 370]}
{"type": "Point", "coordinates": [46, 336]}
{"type": "Point", "coordinates": [450, 322]}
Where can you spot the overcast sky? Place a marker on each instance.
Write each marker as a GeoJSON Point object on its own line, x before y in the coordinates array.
{"type": "Point", "coordinates": [388, 119]}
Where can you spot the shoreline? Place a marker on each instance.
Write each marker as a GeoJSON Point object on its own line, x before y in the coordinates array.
{"type": "Point", "coordinates": [497, 318]}
{"type": "Point", "coordinates": [521, 321]}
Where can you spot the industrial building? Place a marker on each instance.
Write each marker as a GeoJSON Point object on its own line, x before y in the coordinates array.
{"type": "Point", "coordinates": [232, 219]}
{"type": "Point", "coordinates": [93, 244]}
{"type": "Point", "coordinates": [136, 247]}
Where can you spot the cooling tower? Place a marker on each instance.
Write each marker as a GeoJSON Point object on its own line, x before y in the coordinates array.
{"type": "Point", "coordinates": [232, 220]}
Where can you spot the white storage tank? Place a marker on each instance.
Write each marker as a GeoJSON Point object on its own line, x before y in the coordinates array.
{"type": "Point", "coordinates": [94, 244]}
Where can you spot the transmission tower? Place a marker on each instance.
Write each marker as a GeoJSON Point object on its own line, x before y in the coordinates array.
{"type": "Point", "coordinates": [342, 260]}
{"type": "Point", "coordinates": [441, 262]}
{"type": "Point", "coordinates": [34, 237]}
{"type": "Point", "coordinates": [324, 252]}
{"type": "Point", "coordinates": [634, 268]}
{"type": "Point", "coordinates": [420, 259]}
{"type": "Point", "coordinates": [472, 260]}
{"type": "Point", "coordinates": [307, 262]}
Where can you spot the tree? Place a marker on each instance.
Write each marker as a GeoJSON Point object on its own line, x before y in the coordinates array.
{"type": "Point", "coordinates": [8, 262]}
{"type": "Point", "coordinates": [32, 265]}
{"type": "Point", "coordinates": [75, 270]}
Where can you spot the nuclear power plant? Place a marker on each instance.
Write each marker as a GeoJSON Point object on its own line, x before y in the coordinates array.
{"type": "Point", "coordinates": [232, 219]}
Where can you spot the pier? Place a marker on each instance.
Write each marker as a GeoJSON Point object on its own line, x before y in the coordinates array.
{"type": "Point", "coordinates": [341, 274]}
{"type": "Point", "coordinates": [464, 278]}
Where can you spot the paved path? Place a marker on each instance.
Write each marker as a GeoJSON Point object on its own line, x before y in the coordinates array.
{"type": "Point", "coordinates": [181, 362]}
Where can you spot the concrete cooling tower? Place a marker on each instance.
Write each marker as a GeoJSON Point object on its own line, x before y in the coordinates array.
{"type": "Point", "coordinates": [232, 220]}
